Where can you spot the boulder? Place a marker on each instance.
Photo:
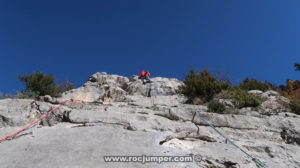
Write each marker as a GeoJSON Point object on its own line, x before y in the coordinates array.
{"type": "Point", "coordinates": [158, 87]}
{"type": "Point", "coordinates": [227, 102]}
{"type": "Point", "coordinates": [17, 112]}
{"type": "Point", "coordinates": [136, 87]}
{"type": "Point", "coordinates": [46, 98]}
{"type": "Point", "coordinates": [275, 103]}
{"type": "Point", "coordinates": [99, 87]}
{"type": "Point", "coordinates": [164, 86]}
{"type": "Point", "coordinates": [270, 94]}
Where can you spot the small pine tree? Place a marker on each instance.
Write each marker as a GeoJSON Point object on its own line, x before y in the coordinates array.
{"type": "Point", "coordinates": [216, 107]}
{"type": "Point", "coordinates": [253, 84]}
{"type": "Point", "coordinates": [203, 85]}
{"type": "Point", "coordinates": [292, 91]}
{"type": "Point", "coordinates": [39, 84]}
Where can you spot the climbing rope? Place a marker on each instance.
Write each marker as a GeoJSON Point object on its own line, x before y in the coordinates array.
{"type": "Point", "coordinates": [30, 125]}
{"type": "Point", "coordinates": [9, 137]}
{"type": "Point", "coordinates": [257, 161]}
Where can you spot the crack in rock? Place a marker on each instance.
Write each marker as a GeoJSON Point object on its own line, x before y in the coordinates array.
{"type": "Point", "coordinates": [126, 126]}
{"type": "Point", "coordinates": [290, 136]}
{"type": "Point", "coordinates": [239, 128]}
{"type": "Point", "coordinates": [168, 115]}
{"type": "Point", "coordinates": [5, 120]}
{"type": "Point", "coordinates": [188, 136]}
{"type": "Point", "coordinates": [216, 163]}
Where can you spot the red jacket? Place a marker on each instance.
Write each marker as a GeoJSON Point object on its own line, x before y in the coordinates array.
{"type": "Point", "coordinates": [144, 73]}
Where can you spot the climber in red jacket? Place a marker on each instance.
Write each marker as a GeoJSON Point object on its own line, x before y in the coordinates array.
{"type": "Point", "coordinates": [144, 76]}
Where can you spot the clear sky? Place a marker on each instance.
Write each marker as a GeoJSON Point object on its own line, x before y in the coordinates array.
{"type": "Point", "coordinates": [74, 39]}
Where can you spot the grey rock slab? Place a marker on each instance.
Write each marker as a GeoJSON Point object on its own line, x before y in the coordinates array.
{"type": "Point", "coordinates": [84, 147]}
{"type": "Point", "coordinates": [16, 112]}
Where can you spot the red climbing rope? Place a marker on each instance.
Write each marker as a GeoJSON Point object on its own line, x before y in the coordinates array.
{"type": "Point", "coordinates": [34, 122]}
{"type": "Point", "coordinates": [41, 118]}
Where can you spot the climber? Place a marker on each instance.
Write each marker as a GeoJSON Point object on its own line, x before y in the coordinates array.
{"type": "Point", "coordinates": [144, 76]}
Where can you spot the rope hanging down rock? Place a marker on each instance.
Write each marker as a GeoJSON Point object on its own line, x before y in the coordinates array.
{"type": "Point", "coordinates": [30, 125]}
{"type": "Point", "coordinates": [257, 161]}
{"type": "Point", "coordinates": [9, 137]}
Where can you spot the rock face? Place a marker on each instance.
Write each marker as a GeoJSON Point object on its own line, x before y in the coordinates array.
{"type": "Point", "coordinates": [149, 120]}
{"type": "Point", "coordinates": [158, 87]}
{"type": "Point", "coordinates": [99, 86]}
{"type": "Point", "coordinates": [16, 112]}
{"type": "Point", "coordinates": [275, 103]}
{"type": "Point", "coordinates": [114, 87]}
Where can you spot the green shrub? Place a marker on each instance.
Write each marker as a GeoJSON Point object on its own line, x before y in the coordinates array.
{"type": "Point", "coordinates": [295, 106]}
{"type": "Point", "coordinates": [292, 86]}
{"type": "Point", "coordinates": [253, 84]}
{"type": "Point", "coordinates": [203, 85]}
{"type": "Point", "coordinates": [292, 91]}
{"type": "Point", "coordinates": [39, 84]}
{"type": "Point", "coordinates": [241, 98]}
{"type": "Point", "coordinates": [216, 107]}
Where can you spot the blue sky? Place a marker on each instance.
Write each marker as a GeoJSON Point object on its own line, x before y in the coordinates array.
{"type": "Point", "coordinates": [74, 39]}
